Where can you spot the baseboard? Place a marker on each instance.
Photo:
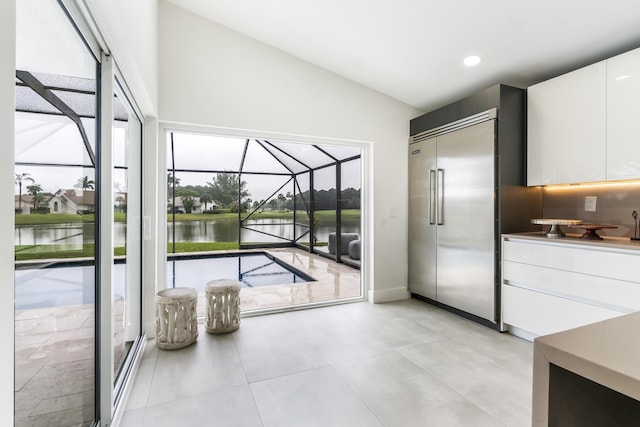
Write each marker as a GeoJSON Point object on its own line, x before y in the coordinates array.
{"type": "Point", "coordinates": [388, 295]}
{"type": "Point", "coordinates": [454, 310]}
{"type": "Point", "coordinates": [150, 329]}
{"type": "Point", "coordinates": [521, 333]}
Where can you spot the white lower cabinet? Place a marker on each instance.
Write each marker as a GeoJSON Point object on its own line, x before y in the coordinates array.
{"type": "Point", "coordinates": [550, 286]}
{"type": "Point", "coordinates": [538, 313]}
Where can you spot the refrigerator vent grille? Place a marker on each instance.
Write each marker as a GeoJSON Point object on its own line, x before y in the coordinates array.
{"type": "Point", "coordinates": [458, 124]}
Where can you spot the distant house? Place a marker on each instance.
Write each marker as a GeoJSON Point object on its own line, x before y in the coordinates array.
{"type": "Point", "coordinates": [72, 201]}
{"type": "Point", "coordinates": [197, 205]}
{"type": "Point", "coordinates": [211, 206]}
{"type": "Point", "coordinates": [26, 205]}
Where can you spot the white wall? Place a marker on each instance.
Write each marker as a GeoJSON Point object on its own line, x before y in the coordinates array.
{"type": "Point", "coordinates": [130, 29]}
{"type": "Point", "coordinates": [212, 76]}
{"type": "Point", "coordinates": [7, 98]}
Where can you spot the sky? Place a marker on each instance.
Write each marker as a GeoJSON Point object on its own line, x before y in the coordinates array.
{"type": "Point", "coordinates": [52, 139]}
{"type": "Point", "coordinates": [55, 139]}
{"type": "Point", "coordinates": [207, 152]}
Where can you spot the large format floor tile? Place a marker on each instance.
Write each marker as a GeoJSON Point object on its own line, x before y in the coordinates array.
{"type": "Point", "coordinates": [404, 363]}
{"type": "Point", "coordinates": [269, 346]}
{"type": "Point", "coordinates": [231, 407]}
{"type": "Point", "coordinates": [401, 394]}
{"type": "Point", "coordinates": [314, 398]}
{"type": "Point", "coordinates": [211, 364]}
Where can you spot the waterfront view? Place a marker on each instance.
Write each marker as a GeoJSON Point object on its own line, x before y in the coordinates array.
{"type": "Point", "coordinates": [30, 237]}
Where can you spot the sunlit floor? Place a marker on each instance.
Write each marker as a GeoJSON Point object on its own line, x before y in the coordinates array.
{"type": "Point", "coordinates": [401, 364]}
{"type": "Point", "coordinates": [55, 346]}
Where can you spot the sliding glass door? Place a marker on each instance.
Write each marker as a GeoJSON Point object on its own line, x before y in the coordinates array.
{"type": "Point", "coordinates": [127, 206]}
{"type": "Point", "coordinates": [55, 215]}
{"type": "Point", "coordinates": [74, 170]}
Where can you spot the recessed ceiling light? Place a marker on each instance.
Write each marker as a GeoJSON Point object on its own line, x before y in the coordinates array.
{"type": "Point", "coordinates": [472, 60]}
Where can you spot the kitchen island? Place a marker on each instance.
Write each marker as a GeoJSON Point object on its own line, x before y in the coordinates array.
{"type": "Point", "coordinates": [588, 376]}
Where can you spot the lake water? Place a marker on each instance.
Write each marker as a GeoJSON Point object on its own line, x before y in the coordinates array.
{"type": "Point", "coordinates": [76, 234]}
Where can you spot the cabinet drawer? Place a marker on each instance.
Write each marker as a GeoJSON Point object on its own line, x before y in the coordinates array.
{"type": "Point", "coordinates": [595, 261]}
{"type": "Point", "coordinates": [618, 294]}
{"type": "Point", "coordinates": [543, 314]}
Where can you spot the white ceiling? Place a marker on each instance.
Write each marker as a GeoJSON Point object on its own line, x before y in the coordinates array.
{"type": "Point", "coordinates": [412, 50]}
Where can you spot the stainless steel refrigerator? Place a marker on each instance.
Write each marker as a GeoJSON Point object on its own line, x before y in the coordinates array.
{"type": "Point", "coordinates": [451, 219]}
{"type": "Point", "coordinates": [466, 187]}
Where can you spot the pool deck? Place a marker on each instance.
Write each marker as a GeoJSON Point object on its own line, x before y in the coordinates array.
{"type": "Point", "coordinates": [54, 346]}
{"type": "Point", "coordinates": [333, 282]}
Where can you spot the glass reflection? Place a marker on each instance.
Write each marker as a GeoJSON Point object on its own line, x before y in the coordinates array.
{"type": "Point", "coordinates": [55, 181]}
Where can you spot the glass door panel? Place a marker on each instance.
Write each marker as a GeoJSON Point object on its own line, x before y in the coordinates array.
{"type": "Point", "coordinates": [351, 185]}
{"type": "Point", "coordinates": [127, 206]}
{"type": "Point", "coordinates": [324, 215]}
{"type": "Point", "coordinates": [55, 234]}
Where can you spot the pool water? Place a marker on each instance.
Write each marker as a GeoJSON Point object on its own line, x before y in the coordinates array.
{"type": "Point", "coordinates": [71, 283]}
{"type": "Point", "coordinates": [250, 269]}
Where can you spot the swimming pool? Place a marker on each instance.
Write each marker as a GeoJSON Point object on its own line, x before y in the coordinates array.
{"type": "Point", "coordinates": [63, 284]}
{"type": "Point", "coordinates": [251, 269]}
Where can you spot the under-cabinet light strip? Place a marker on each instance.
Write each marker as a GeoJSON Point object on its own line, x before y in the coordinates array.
{"type": "Point", "coordinates": [592, 184]}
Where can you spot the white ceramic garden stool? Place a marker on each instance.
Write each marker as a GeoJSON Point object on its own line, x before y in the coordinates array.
{"type": "Point", "coordinates": [223, 306]}
{"type": "Point", "coordinates": [176, 318]}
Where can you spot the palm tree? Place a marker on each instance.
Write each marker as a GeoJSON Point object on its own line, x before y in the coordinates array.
{"type": "Point", "coordinates": [20, 178]}
{"type": "Point", "coordinates": [289, 197]}
{"type": "Point", "coordinates": [35, 190]}
{"type": "Point", "coordinates": [85, 183]}
{"type": "Point", "coordinates": [205, 198]}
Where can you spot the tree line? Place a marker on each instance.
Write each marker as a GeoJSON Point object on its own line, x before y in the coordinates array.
{"type": "Point", "coordinates": [223, 189]}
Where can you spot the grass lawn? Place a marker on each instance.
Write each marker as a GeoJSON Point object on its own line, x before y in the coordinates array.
{"type": "Point", "coordinates": [24, 252]}
{"type": "Point", "coordinates": [202, 246]}
{"type": "Point", "coordinates": [37, 219]}
{"type": "Point", "coordinates": [36, 252]}
{"type": "Point", "coordinates": [321, 215]}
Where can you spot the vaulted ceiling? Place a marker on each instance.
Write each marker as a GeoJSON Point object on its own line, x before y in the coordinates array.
{"type": "Point", "coordinates": [413, 50]}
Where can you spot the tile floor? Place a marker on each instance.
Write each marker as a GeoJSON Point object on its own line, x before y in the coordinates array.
{"type": "Point", "coordinates": [403, 364]}
{"type": "Point", "coordinates": [54, 347]}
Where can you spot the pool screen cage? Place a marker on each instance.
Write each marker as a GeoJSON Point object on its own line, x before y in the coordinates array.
{"type": "Point", "coordinates": [304, 195]}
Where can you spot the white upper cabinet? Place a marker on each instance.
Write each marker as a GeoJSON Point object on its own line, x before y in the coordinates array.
{"type": "Point", "coordinates": [623, 116]}
{"type": "Point", "coordinates": [566, 130]}
{"type": "Point", "coordinates": [584, 126]}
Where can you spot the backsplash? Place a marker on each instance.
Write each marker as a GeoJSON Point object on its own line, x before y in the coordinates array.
{"type": "Point", "coordinates": [614, 206]}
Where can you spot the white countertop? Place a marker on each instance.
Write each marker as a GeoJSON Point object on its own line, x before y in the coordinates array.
{"type": "Point", "coordinates": [605, 352]}
{"type": "Point", "coordinates": [623, 243]}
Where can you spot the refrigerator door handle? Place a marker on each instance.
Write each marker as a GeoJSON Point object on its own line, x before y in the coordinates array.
{"type": "Point", "coordinates": [440, 195]}
{"type": "Point", "coordinates": [432, 196]}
